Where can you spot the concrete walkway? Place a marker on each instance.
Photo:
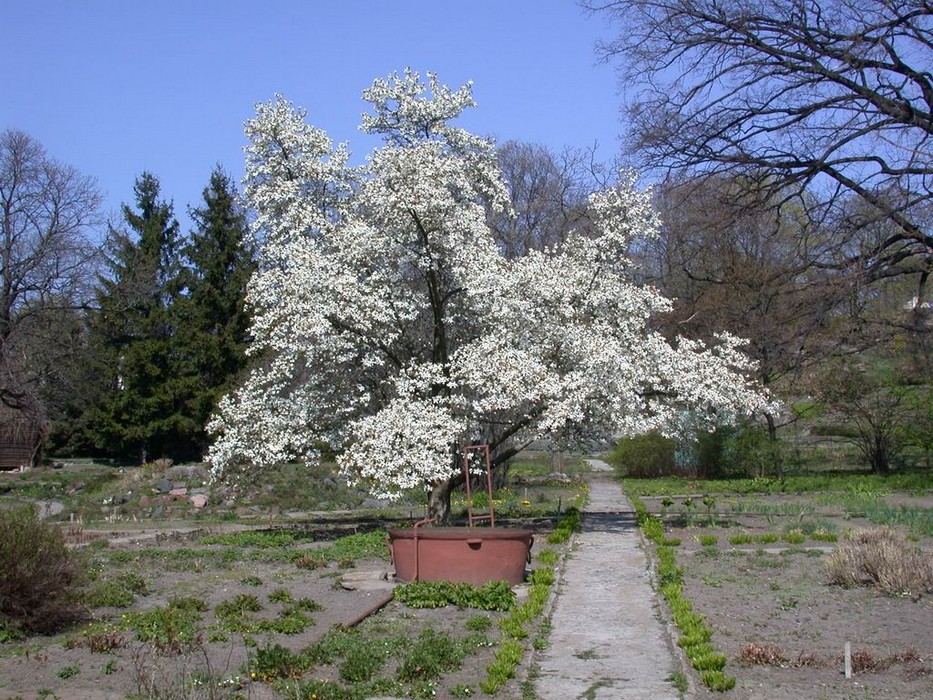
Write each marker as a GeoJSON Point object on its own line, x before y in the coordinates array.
{"type": "Point", "coordinates": [607, 641]}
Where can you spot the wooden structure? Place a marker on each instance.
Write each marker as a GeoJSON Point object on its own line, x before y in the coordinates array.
{"type": "Point", "coordinates": [21, 436]}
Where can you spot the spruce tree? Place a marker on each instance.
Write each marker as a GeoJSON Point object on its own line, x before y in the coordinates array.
{"type": "Point", "coordinates": [143, 415]}
{"type": "Point", "coordinates": [213, 321]}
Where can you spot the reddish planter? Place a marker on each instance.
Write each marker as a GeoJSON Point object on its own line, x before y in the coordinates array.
{"type": "Point", "coordinates": [473, 555]}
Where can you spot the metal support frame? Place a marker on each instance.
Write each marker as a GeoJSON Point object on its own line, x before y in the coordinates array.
{"type": "Point", "coordinates": [484, 449]}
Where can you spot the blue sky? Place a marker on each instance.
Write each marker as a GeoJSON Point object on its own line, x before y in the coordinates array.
{"type": "Point", "coordinates": [116, 87]}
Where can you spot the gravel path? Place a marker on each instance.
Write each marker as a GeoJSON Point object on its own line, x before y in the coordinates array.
{"type": "Point", "coordinates": [607, 641]}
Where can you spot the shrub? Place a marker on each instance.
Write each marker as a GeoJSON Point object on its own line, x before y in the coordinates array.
{"type": "Point", "coordinates": [641, 456]}
{"type": "Point", "coordinates": [41, 578]}
{"type": "Point", "coordinates": [882, 558]}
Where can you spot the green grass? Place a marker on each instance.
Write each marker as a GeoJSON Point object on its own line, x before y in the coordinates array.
{"type": "Point", "coordinates": [917, 481]}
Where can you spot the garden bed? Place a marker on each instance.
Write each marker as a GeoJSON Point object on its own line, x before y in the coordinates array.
{"type": "Point", "coordinates": [754, 566]}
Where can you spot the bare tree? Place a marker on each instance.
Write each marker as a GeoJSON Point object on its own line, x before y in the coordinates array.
{"type": "Point", "coordinates": [548, 192]}
{"type": "Point", "coordinates": [818, 101]}
{"type": "Point", "coordinates": [47, 211]}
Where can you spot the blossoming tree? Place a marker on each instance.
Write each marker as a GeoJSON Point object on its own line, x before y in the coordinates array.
{"type": "Point", "coordinates": [389, 328]}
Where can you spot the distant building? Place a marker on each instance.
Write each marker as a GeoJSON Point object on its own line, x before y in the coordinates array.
{"type": "Point", "coordinates": [21, 436]}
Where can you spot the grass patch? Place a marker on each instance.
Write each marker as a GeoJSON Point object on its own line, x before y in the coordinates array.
{"type": "Point", "coordinates": [918, 481]}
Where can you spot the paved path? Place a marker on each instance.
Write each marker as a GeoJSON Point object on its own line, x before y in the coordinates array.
{"type": "Point", "coordinates": [607, 642]}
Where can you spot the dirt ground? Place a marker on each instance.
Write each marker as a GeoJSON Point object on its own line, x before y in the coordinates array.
{"type": "Point", "coordinates": [64, 667]}
{"type": "Point", "coordinates": [784, 627]}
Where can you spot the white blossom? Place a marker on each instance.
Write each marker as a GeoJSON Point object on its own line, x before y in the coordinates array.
{"type": "Point", "coordinates": [388, 327]}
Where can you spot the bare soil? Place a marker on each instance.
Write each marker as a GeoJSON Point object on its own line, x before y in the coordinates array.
{"type": "Point", "coordinates": [783, 626]}
{"type": "Point", "coordinates": [63, 666]}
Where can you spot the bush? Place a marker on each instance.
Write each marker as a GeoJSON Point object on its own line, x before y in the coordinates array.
{"type": "Point", "coordinates": [644, 456]}
{"type": "Point", "coordinates": [40, 578]}
{"type": "Point", "coordinates": [882, 558]}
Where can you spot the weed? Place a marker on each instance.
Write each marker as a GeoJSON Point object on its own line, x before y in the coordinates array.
{"type": "Point", "coordinates": [361, 662]}
{"type": "Point", "coordinates": [170, 630]}
{"type": "Point", "coordinates": [273, 662]}
{"type": "Point", "coordinates": [119, 592]}
{"type": "Point", "coordinates": [707, 540]}
{"type": "Point", "coordinates": [823, 536]}
{"type": "Point", "coordinates": [494, 595]}
{"type": "Point", "coordinates": [238, 606]}
{"type": "Point", "coordinates": [762, 655]}
{"type": "Point", "coordinates": [679, 681]}
{"type": "Point", "coordinates": [568, 525]}
{"type": "Point", "coordinates": [251, 581]}
{"type": "Point", "coordinates": [188, 603]}
{"type": "Point", "coordinates": [462, 691]}
{"type": "Point", "coordinates": [102, 642]}
{"type": "Point", "coordinates": [69, 671]}
{"type": "Point", "coordinates": [306, 604]}
{"type": "Point", "coordinates": [587, 655]}
{"type": "Point", "coordinates": [503, 666]}
{"type": "Point", "coordinates": [280, 595]}
{"type": "Point", "coordinates": [111, 594]}
{"type": "Point", "coordinates": [432, 654]}
{"type": "Point", "coordinates": [548, 557]}
{"type": "Point", "coordinates": [311, 561]}
{"type": "Point", "coordinates": [478, 623]}
{"type": "Point", "coordinates": [109, 668]}
{"type": "Point", "coordinates": [709, 661]}
{"type": "Point", "coordinates": [251, 539]}
{"type": "Point", "coordinates": [748, 538]}
{"type": "Point", "coordinates": [717, 681]}
{"type": "Point", "coordinates": [290, 621]}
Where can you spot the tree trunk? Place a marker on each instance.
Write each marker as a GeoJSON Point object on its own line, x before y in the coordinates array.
{"type": "Point", "coordinates": [439, 502]}
{"type": "Point", "coordinates": [775, 453]}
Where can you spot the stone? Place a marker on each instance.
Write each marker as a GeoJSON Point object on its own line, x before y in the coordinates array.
{"type": "Point", "coordinates": [366, 581]}
{"type": "Point", "coordinates": [47, 509]}
{"type": "Point", "coordinates": [163, 486]}
{"type": "Point", "coordinates": [198, 500]}
{"type": "Point", "coordinates": [178, 491]}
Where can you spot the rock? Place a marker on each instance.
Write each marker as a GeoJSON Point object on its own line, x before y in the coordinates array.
{"type": "Point", "coordinates": [163, 486]}
{"type": "Point", "coordinates": [144, 501]}
{"type": "Point", "coordinates": [75, 488]}
{"type": "Point", "coordinates": [46, 509]}
{"type": "Point", "coordinates": [366, 581]}
{"type": "Point", "coordinates": [158, 510]}
{"type": "Point", "coordinates": [178, 491]}
{"type": "Point", "coordinates": [374, 503]}
{"type": "Point", "coordinates": [199, 500]}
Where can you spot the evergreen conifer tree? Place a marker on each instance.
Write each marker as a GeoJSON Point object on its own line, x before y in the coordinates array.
{"type": "Point", "coordinates": [213, 321]}
{"type": "Point", "coordinates": [143, 415]}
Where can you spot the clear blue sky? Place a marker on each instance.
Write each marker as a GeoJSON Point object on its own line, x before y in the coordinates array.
{"type": "Point", "coordinates": [116, 87]}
